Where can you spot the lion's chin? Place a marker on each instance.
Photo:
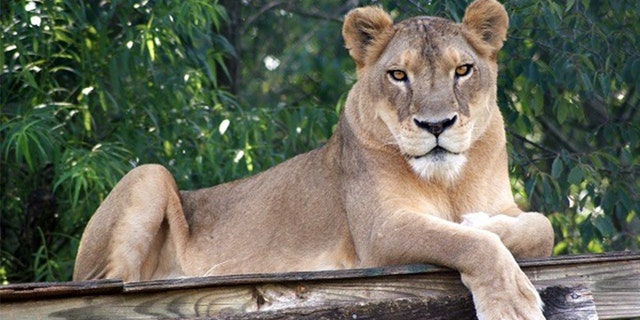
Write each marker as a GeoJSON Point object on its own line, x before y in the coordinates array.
{"type": "Point", "coordinates": [438, 164]}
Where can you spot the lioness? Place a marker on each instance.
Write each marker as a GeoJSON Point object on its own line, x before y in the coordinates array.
{"type": "Point", "coordinates": [415, 172]}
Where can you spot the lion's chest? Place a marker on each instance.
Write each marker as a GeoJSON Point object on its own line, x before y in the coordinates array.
{"type": "Point", "coordinates": [446, 201]}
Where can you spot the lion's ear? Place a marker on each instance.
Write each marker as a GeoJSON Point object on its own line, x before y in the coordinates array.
{"type": "Point", "coordinates": [362, 28]}
{"type": "Point", "coordinates": [488, 20]}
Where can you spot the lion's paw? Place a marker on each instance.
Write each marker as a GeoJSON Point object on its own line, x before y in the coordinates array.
{"type": "Point", "coordinates": [522, 305]}
{"type": "Point", "coordinates": [506, 296]}
{"type": "Point", "coordinates": [475, 219]}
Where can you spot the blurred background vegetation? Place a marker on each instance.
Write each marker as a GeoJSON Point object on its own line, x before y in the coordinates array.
{"type": "Point", "coordinates": [218, 90]}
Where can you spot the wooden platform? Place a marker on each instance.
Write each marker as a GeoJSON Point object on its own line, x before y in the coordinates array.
{"type": "Point", "coordinates": [573, 287]}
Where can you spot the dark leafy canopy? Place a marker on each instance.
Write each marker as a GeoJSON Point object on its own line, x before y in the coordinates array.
{"type": "Point", "coordinates": [217, 91]}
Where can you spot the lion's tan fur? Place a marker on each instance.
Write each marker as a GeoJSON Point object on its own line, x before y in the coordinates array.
{"type": "Point", "coordinates": [416, 172]}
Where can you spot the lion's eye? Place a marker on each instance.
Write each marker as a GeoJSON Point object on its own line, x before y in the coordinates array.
{"type": "Point", "coordinates": [398, 75]}
{"type": "Point", "coordinates": [463, 70]}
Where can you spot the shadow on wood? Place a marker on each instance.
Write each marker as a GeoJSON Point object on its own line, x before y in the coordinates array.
{"type": "Point", "coordinates": [562, 303]}
{"type": "Point", "coordinates": [565, 303]}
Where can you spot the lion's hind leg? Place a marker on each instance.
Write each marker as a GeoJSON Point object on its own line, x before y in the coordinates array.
{"type": "Point", "coordinates": [139, 221]}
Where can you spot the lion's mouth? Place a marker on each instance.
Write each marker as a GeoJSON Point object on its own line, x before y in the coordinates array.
{"type": "Point", "coordinates": [437, 153]}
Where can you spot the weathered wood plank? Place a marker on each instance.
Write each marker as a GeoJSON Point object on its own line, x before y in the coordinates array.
{"type": "Point", "coordinates": [563, 304]}
{"type": "Point", "coordinates": [613, 280]}
{"type": "Point", "coordinates": [401, 309]}
{"type": "Point", "coordinates": [43, 290]}
{"type": "Point", "coordinates": [568, 303]}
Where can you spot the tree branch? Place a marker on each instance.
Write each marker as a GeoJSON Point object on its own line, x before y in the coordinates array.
{"type": "Point", "coordinates": [251, 19]}
{"type": "Point", "coordinates": [316, 14]}
{"type": "Point", "coordinates": [527, 141]}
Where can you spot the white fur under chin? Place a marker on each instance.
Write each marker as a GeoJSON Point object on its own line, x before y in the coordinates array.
{"type": "Point", "coordinates": [446, 168]}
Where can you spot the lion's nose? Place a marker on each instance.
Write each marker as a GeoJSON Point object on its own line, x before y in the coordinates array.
{"type": "Point", "coordinates": [436, 128]}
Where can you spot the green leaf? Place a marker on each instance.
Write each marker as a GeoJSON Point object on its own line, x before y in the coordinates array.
{"type": "Point", "coordinates": [575, 175]}
{"type": "Point", "coordinates": [569, 5]}
{"type": "Point", "coordinates": [556, 168]}
{"type": "Point", "coordinates": [538, 102]}
{"type": "Point", "coordinates": [562, 111]}
{"type": "Point", "coordinates": [151, 48]}
{"type": "Point", "coordinates": [604, 225]}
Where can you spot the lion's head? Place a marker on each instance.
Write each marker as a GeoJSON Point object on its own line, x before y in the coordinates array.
{"type": "Point", "coordinates": [431, 82]}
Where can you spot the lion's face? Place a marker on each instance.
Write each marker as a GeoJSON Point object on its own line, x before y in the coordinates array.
{"type": "Point", "coordinates": [435, 94]}
{"type": "Point", "coordinates": [432, 82]}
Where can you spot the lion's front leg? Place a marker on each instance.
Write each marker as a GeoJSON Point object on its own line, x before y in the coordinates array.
{"type": "Point", "coordinates": [500, 289]}
{"type": "Point", "coordinates": [525, 234]}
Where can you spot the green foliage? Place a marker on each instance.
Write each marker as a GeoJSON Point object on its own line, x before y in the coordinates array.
{"type": "Point", "coordinates": [572, 108]}
{"type": "Point", "coordinates": [91, 89]}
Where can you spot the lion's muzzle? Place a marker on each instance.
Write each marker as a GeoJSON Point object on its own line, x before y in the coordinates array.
{"type": "Point", "coordinates": [437, 127]}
